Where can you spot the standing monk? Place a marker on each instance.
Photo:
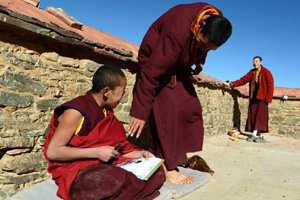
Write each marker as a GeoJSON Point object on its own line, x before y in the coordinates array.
{"type": "Point", "coordinates": [261, 89]}
{"type": "Point", "coordinates": [165, 95]}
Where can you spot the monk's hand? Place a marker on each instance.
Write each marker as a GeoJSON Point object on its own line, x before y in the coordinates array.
{"type": "Point", "coordinates": [227, 84]}
{"type": "Point", "coordinates": [198, 69]}
{"type": "Point", "coordinates": [147, 155]}
{"type": "Point", "coordinates": [136, 125]}
{"type": "Point", "coordinates": [106, 153]}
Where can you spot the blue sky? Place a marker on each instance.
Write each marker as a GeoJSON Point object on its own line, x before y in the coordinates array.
{"type": "Point", "coordinates": [268, 28]}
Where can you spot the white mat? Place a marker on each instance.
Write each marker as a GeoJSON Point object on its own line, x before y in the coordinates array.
{"type": "Point", "coordinates": [46, 190]}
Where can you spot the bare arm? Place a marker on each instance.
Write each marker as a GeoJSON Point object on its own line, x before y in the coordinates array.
{"type": "Point", "coordinates": [58, 149]}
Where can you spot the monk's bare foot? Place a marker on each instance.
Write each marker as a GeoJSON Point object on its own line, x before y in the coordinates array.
{"type": "Point", "coordinates": [175, 177]}
{"type": "Point", "coordinates": [178, 178]}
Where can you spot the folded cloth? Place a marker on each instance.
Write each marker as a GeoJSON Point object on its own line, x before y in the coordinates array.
{"type": "Point", "coordinates": [197, 163]}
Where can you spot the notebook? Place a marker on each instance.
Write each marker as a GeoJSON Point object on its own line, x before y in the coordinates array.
{"type": "Point", "coordinates": [141, 167]}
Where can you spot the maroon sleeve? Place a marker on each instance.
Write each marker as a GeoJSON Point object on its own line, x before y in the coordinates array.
{"type": "Point", "coordinates": [128, 147]}
{"type": "Point", "coordinates": [244, 80]}
{"type": "Point", "coordinates": [270, 86]}
{"type": "Point", "coordinates": [162, 59]}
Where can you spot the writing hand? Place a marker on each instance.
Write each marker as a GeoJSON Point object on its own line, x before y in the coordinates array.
{"type": "Point", "coordinates": [147, 155]}
{"type": "Point", "coordinates": [105, 153]}
{"type": "Point", "coordinates": [136, 125]}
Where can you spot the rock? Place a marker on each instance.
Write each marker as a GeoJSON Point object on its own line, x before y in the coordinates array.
{"type": "Point", "coordinates": [16, 142]}
{"type": "Point", "coordinates": [52, 56]}
{"type": "Point", "coordinates": [15, 100]}
{"type": "Point", "coordinates": [22, 83]}
{"type": "Point", "coordinates": [47, 104]}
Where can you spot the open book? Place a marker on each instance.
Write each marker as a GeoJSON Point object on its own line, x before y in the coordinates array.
{"type": "Point", "coordinates": [141, 167]}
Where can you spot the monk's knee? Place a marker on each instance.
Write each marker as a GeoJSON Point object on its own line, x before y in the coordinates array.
{"type": "Point", "coordinates": [97, 182]}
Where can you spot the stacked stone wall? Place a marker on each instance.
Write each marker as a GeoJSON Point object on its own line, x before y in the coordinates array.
{"type": "Point", "coordinates": [285, 118]}
{"type": "Point", "coordinates": [217, 108]}
{"type": "Point", "coordinates": [32, 84]}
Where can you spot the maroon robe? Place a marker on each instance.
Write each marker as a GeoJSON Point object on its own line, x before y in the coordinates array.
{"type": "Point", "coordinates": [171, 104]}
{"type": "Point", "coordinates": [107, 131]}
{"type": "Point", "coordinates": [258, 116]}
{"type": "Point", "coordinates": [258, 113]}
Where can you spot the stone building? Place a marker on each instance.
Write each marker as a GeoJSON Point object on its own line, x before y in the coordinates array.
{"type": "Point", "coordinates": [47, 58]}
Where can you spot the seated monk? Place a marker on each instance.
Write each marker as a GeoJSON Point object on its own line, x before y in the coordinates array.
{"type": "Point", "coordinates": [80, 146]}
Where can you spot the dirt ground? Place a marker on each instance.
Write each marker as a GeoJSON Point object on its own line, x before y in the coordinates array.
{"type": "Point", "coordinates": [250, 171]}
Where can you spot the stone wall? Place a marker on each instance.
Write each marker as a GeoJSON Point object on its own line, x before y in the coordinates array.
{"type": "Point", "coordinates": [217, 108]}
{"type": "Point", "coordinates": [285, 118]}
{"type": "Point", "coordinates": [32, 84]}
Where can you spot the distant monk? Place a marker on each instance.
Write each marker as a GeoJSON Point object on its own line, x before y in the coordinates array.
{"type": "Point", "coordinates": [164, 93]}
{"type": "Point", "coordinates": [261, 89]}
{"type": "Point", "coordinates": [80, 146]}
